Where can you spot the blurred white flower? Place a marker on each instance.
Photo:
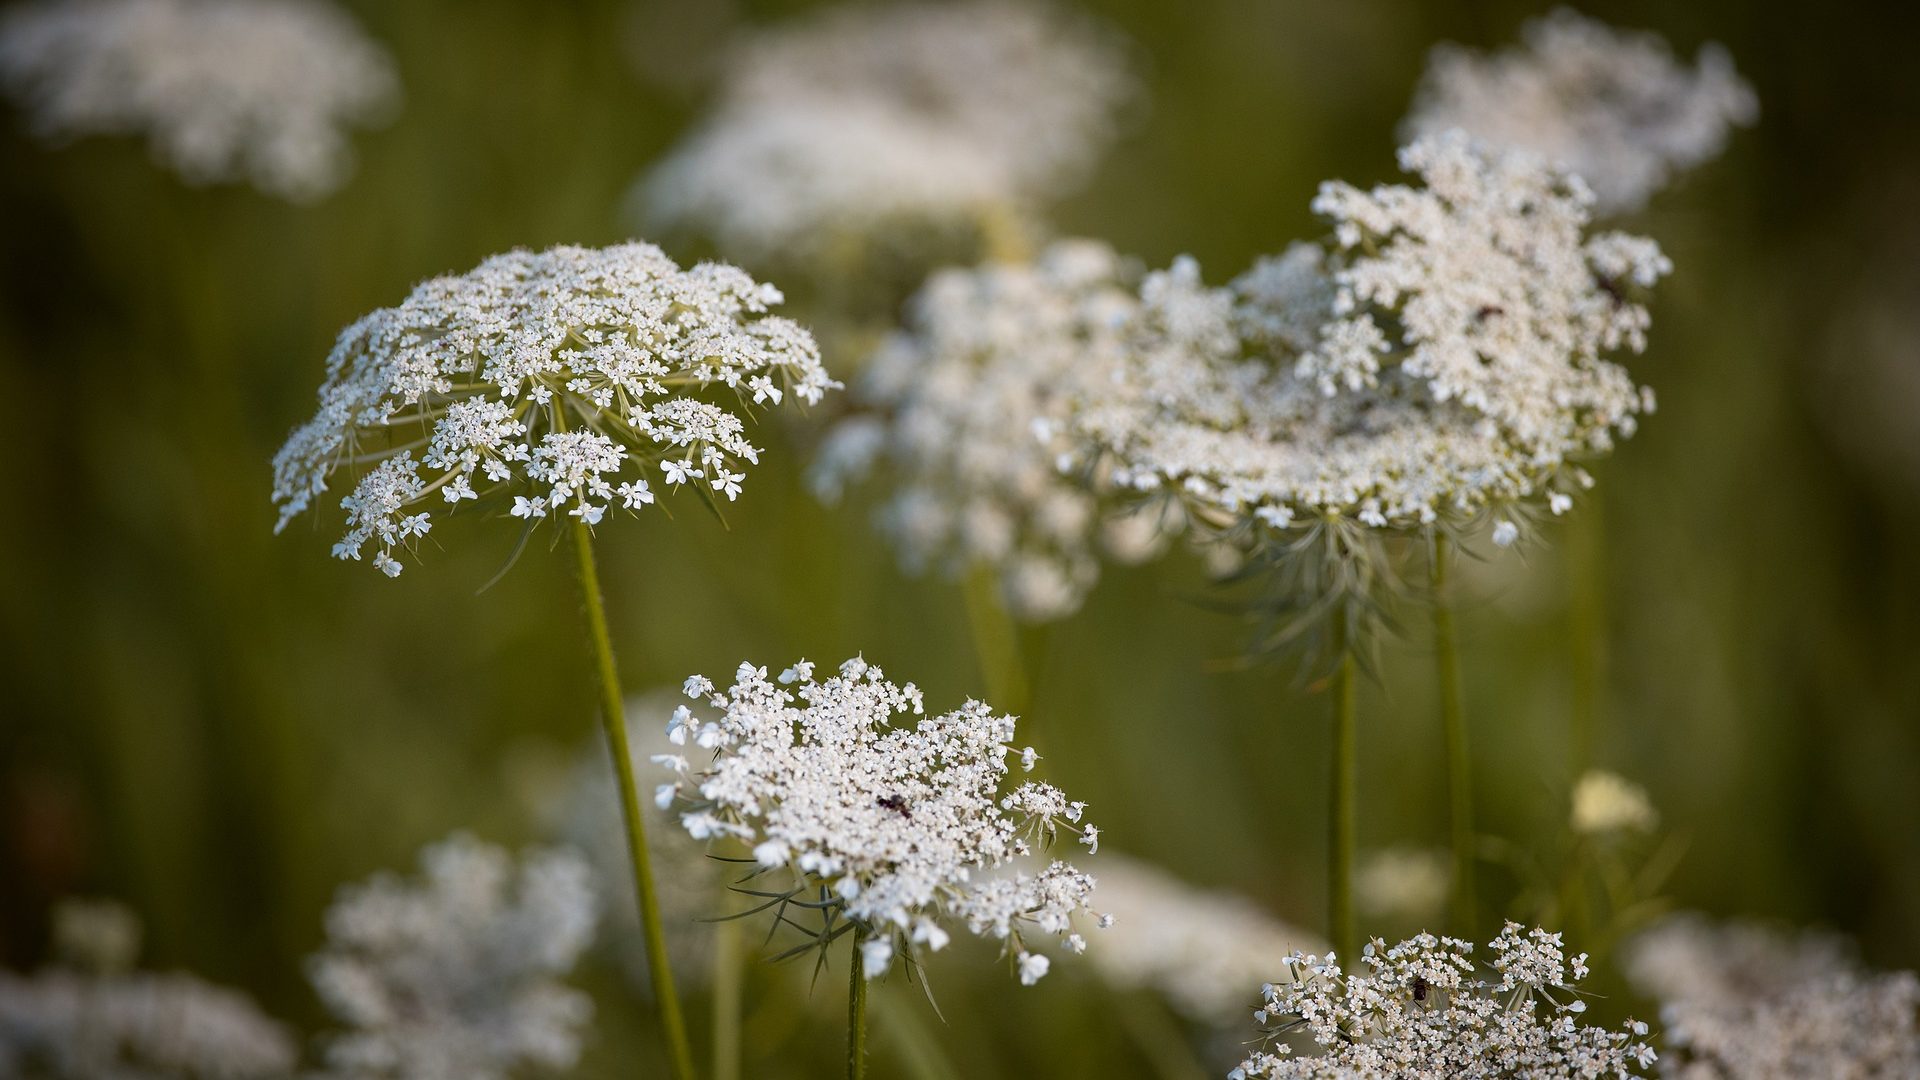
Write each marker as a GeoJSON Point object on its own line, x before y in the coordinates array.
{"type": "Point", "coordinates": [456, 975]}
{"type": "Point", "coordinates": [896, 828]}
{"type": "Point", "coordinates": [688, 884]}
{"type": "Point", "coordinates": [1746, 1001]}
{"type": "Point", "coordinates": [99, 1021]}
{"type": "Point", "coordinates": [1408, 884]}
{"type": "Point", "coordinates": [554, 373]}
{"type": "Point", "coordinates": [1201, 950]}
{"type": "Point", "coordinates": [1446, 354]}
{"type": "Point", "coordinates": [869, 116]}
{"type": "Point", "coordinates": [225, 90]}
{"type": "Point", "coordinates": [1605, 802]}
{"type": "Point", "coordinates": [1614, 107]}
{"type": "Point", "coordinates": [1423, 1009]}
{"type": "Point", "coordinates": [971, 399]}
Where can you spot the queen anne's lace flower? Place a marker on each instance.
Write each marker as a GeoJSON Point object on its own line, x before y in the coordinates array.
{"type": "Point", "coordinates": [1199, 949]}
{"type": "Point", "coordinates": [1446, 355]}
{"type": "Point", "coordinates": [97, 1020]}
{"type": "Point", "coordinates": [687, 883]}
{"type": "Point", "coordinates": [554, 378]}
{"type": "Point", "coordinates": [869, 116]}
{"type": "Point", "coordinates": [1614, 107]}
{"type": "Point", "coordinates": [1605, 802]}
{"type": "Point", "coordinates": [896, 830]}
{"type": "Point", "coordinates": [225, 90]}
{"type": "Point", "coordinates": [1744, 1001]}
{"type": "Point", "coordinates": [457, 975]}
{"type": "Point", "coordinates": [970, 398]}
{"type": "Point", "coordinates": [1406, 884]}
{"type": "Point", "coordinates": [1424, 1011]}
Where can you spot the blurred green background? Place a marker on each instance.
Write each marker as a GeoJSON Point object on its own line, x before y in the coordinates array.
{"type": "Point", "coordinates": [220, 726]}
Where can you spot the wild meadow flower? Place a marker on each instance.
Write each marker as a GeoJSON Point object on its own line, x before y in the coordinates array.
{"type": "Point", "coordinates": [586, 818]}
{"type": "Point", "coordinates": [561, 384]}
{"type": "Point", "coordinates": [868, 118]}
{"type": "Point", "coordinates": [1407, 884]}
{"type": "Point", "coordinates": [1748, 1001]}
{"type": "Point", "coordinates": [457, 973]}
{"type": "Point", "coordinates": [1615, 107]}
{"type": "Point", "coordinates": [1198, 948]}
{"type": "Point", "coordinates": [95, 1017]}
{"type": "Point", "coordinates": [1606, 803]}
{"type": "Point", "coordinates": [1425, 1008]}
{"type": "Point", "coordinates": [224, 90]}
{"type": "Point", "coordinates": [968, 402]}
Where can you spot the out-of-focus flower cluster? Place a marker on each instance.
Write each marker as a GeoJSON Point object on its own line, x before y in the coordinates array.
{"type": "Point", "coordinates": [1614, 107]}
{"type": "Point", "coordinates": [1197, 948]}
{"type": "Point", "coordinates": [556, 377]}
{"type": "Point", "coordinates": [95, 1019]}
{"type": "Point", "coordinates": [892, 830]}
{"type": "Point", "coordinates": [1745, 1001]}
{"type": "Point", "coordinates": [1447, 353]}
{"type": "Point", "coordinates": [969, 399]}
{"type": "Point", "coordinates": [224, 90]}
{"type": "Point", "coordinates": [1605, 803]}
{"type": "Point", "coordinates": [1423, 1009]}
{"type": "Point", "coordinates": [868, 118]}
{"type": "Point", "coordinates": [457, 974]}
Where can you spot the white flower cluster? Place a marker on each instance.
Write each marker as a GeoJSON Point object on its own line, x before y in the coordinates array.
{"type": "Point", "coordinates": [870, 116]}
{"type": "Point", "coordinates": [555, 377]}
{"type": "Point", "coordinates": [1408, 884]}
{"type": "Point", "coordinates": [970, 398]}
{"type": "Point", "coordinates": [1744, 1001]}
{"type": "Point", "coordinates": [457, 974]}
{"type": "Point", "coordinates": [1447, 355]}
{"type": "Point", "coordinates": [95, 1019]}
{"type": "Point", "coordinates": [896, 829]}
{"type": "Point", "coordinates": [1605, 803]}
{"type": "Point", "coordinates": [687, 883]}
{"type": "Point", "coordinates": [1424, 1011]}
{"type": "Point", "coordinates": [1199, 949]}
{"type": "Point", "coordinates": [65, 1025]}
{"type": "Point", "coordinates": [1614, 107]}
{"type": "Point", "coordinates": [225, 90]}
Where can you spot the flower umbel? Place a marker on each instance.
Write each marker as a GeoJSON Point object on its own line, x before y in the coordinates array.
{"type": "Point", "coordinates": [557, 379]}
{"type": "Point", "coordinates": [457, 974]}
{"type": "Point", "coordinates": [225, 90]}
{"type": "Point", "coordinates": [889, 830]}
{"type": "Point", "coordinates": [1614, 107]}
{"type": "Point", "coordinates": [1424, 1009]}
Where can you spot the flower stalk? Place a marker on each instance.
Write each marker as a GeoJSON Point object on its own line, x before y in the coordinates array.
{"type": "Point", "coordinates": [857, 1012]}
{"type": "Point", "coordinates": [1343, 805]}
{"type": "Point", "coordinates": [1453, 723]}
{"type": "Point", "coordinates": [614, 721]}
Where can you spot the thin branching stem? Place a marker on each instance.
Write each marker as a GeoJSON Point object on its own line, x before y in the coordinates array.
{"type": "Point", "coordinates": [613, 719]}
{"type": "Point", "coordinates": [1453, 724]}
{"type": "Point", "coordinates": [1342, 801]}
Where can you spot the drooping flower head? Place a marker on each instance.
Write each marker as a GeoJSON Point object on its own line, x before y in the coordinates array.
{"type": "Point", "coordinates": [1747, 1001]}
{"type": "Point", "coordinates": [562, 380]}
{"type": "Point", "coordinates": [1614, 107]}
{"type": "Point", "coordinates": [96, 1017]}
{"type": "Point", "coordinates": [1425, 1008]}
{"type": "Point", "coordinates": [458, 973]}
{"type": "Point", "coordinates": [969, 399]}
{"type": "Point", "coordinates": [896, 830]}
{"type": "Point", "coordinates": [867, 116]}
{"type": "Point", "coordinates": [1200, 949]}
{"type": "Point", "coordinates": [1446, 354]}
{"type": "Point", "coordinates": [224, 90]}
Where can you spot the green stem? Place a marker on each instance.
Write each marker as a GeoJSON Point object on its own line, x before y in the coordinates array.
{"type": "Point", "coordinates": [613, 718]}
{"type": "Point", "coordinates": [1343, 807]}
{"type": "Point", "coordinates": [726, 1000]}
{"type": "Point", "coordinates": [1586, 557]}
{"type": "Point", "coordinates": [1453, 722]}
{"type": "Point", "coordinates": [996, 644]}
{"type": "Point", "coordinates": [857, 1013]}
